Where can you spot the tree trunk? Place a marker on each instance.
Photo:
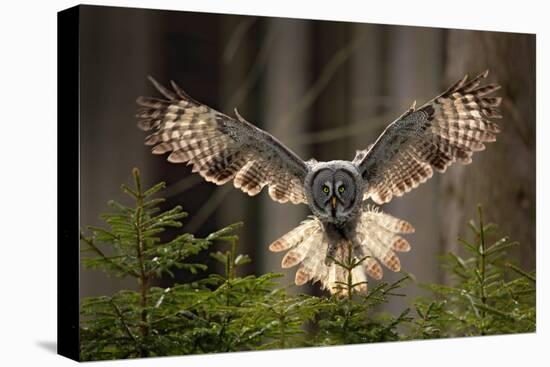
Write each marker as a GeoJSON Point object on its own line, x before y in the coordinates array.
{"type": "Point", "coordinates": [502, 178]}
{"type": "Point", "coordinates": [285, 81]}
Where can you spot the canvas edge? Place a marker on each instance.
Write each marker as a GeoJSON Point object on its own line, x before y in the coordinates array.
{"type": "Point", "coordinates": [68, 183]}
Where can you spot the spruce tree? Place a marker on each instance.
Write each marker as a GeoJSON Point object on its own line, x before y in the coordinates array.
{"type": "Point", "coordinates": [231, 311]}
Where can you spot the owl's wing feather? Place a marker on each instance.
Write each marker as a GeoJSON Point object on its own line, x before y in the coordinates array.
{"type": "Point", "coordinates": [220, 148]}
{"type": "Point", "coordinates": [447, 129]}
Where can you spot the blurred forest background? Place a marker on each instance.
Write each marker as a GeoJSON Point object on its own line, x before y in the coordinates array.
{"type": "Point", "coordinates": [325, 89]}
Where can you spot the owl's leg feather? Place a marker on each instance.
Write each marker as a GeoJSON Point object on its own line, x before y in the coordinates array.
{"type": "Point", "coordinates": [334, 235]}
{"type": "Point", "coordinates": [331, 252]}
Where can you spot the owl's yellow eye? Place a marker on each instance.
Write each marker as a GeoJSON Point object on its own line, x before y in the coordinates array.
{"type": "Point", "coordinates": [326, 189]}
{"type": "Point", "coordinates": [341, 189]}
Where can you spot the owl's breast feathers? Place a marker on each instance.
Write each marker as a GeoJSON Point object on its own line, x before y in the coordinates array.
{"type": "Point", "coordinates": [376, 240]}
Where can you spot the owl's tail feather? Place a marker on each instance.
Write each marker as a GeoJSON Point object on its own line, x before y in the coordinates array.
{"type": "Point", "coordinates": [377, 239]}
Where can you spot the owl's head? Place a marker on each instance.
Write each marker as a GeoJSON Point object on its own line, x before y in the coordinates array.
{"type": "Point", "coordinates": [334, 191]}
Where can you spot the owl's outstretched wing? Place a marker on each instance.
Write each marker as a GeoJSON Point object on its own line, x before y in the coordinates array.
{"type": "Point", "coordinates": [447, 129]}
{"type": "Point", "coordinates": [219, 147]}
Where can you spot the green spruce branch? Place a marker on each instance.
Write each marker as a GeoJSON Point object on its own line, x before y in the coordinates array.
{"type": "Point", "coordinates": [233, 311]}
{"type": "Point", "coordinates": [489, 294]}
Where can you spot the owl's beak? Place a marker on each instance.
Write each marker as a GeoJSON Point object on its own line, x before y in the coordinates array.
{"type": "Point", "coordinates": [333, 202]}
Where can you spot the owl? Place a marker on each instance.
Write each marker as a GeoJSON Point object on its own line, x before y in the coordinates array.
{"type": "Point", "coordinates": [447, 129]}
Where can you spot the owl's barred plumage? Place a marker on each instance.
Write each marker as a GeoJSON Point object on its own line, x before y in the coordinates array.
{"type": "Point", "coordinates": [447, 129]}
{"type": "Point", "coordinates": [219, 147]}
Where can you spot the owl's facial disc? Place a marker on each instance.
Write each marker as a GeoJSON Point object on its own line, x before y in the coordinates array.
{"type": "Point", "coordinates": [334, 193]}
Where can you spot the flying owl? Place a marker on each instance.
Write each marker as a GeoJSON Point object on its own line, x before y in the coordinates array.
{"type": "Point", "coordinates": [447, 129]}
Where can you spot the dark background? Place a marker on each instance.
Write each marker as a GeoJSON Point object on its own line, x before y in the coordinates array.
{"type": "Point", "coordinates": [323, 88]}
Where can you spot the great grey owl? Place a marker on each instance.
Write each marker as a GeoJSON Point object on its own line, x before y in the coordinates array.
{"type": "Point", "coordinates": [447, 129]}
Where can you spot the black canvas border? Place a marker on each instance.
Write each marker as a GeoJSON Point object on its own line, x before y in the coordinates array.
{"type": "Point", "coordinates": [68, 185]}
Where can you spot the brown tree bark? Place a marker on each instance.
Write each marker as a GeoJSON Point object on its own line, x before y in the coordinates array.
{"type": "Point", "coordinates": [502, 178]}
